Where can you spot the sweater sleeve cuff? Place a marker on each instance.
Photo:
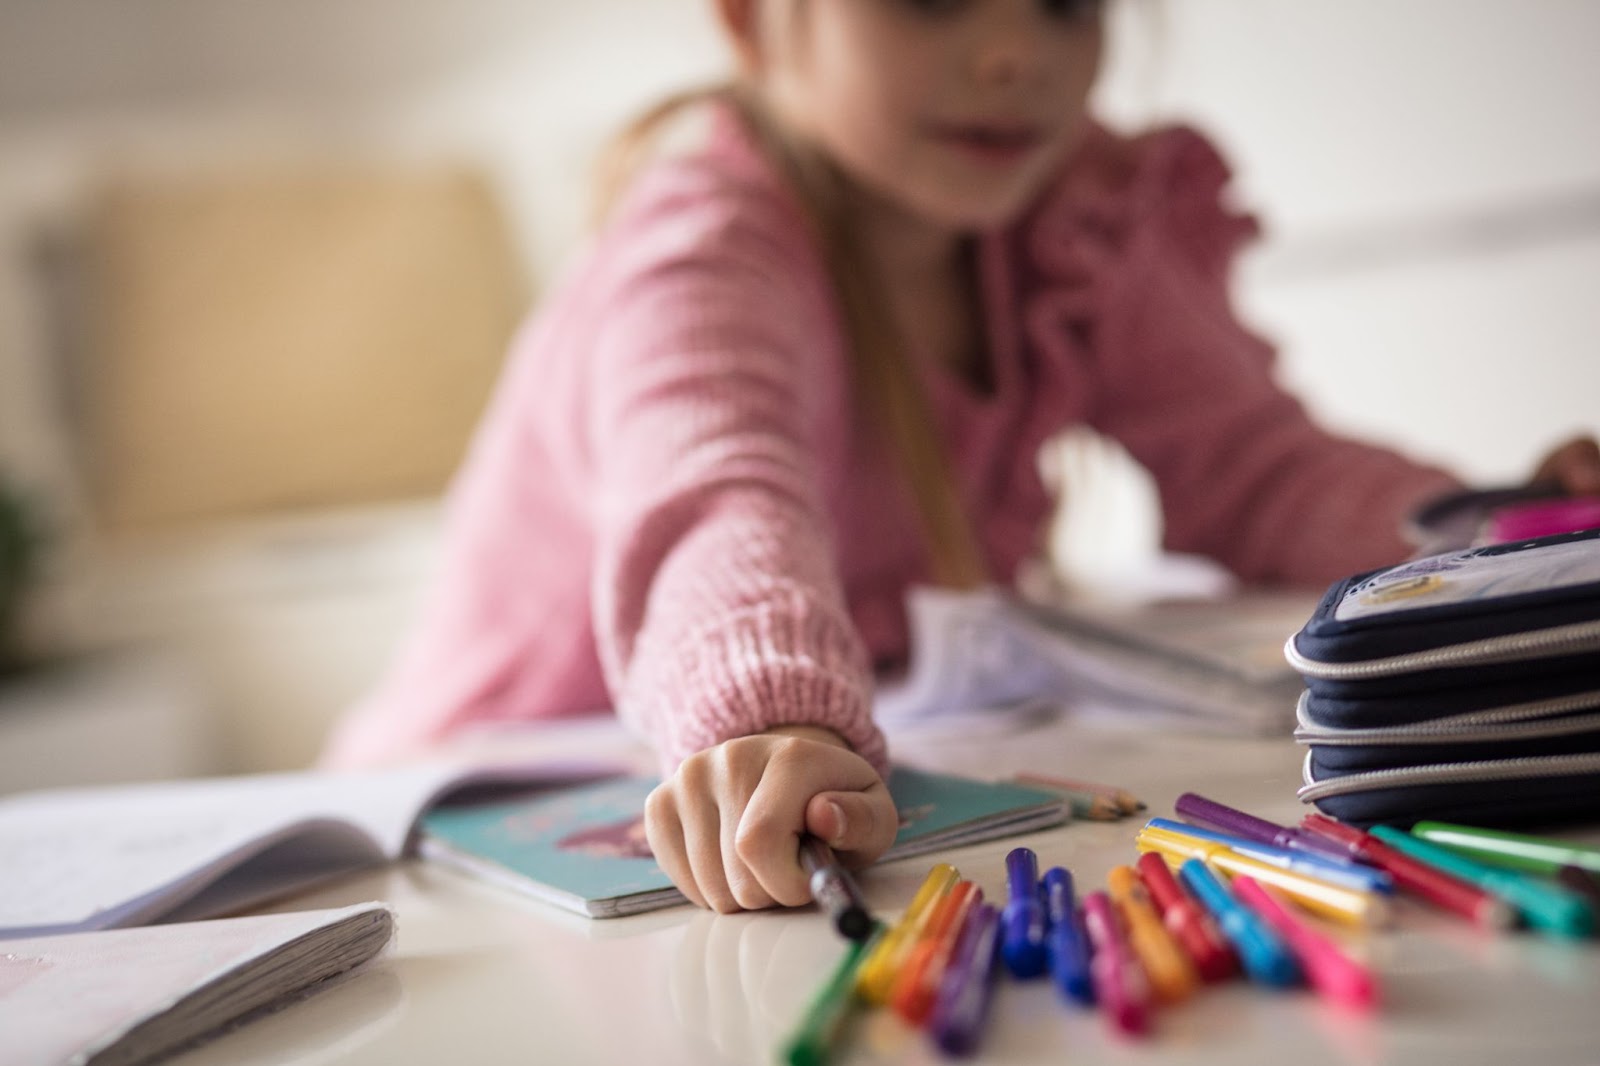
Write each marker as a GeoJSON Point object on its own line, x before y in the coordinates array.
{"type": "Point", "coordinates": [764, 667]}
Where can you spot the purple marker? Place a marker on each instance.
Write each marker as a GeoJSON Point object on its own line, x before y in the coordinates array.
{"type": "Point", "coordinates": [1198, 809]}
{"type": "Point", "coordinates": [963, 1004]}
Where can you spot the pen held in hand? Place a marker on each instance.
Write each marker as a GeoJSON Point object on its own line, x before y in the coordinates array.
{"type": "Point", "coordinates": [834, 889]}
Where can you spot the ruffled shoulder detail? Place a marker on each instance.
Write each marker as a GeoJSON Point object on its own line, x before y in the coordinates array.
{"type": "Point", "coordinates": [1123, 204]}
{"type": "Point", "coordinates": [1169, 184]}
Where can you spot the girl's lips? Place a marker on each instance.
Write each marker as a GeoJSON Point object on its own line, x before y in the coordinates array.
{"type": "Point", "coordinates": [995, 145]}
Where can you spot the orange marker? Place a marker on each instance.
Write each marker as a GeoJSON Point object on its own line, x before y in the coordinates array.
{"type": "Point", "coordinates": [880, 969]}
{"type": "Point", "coordinates": [917, 984]}
{"type": "Point", "coordinates": [1172, 978]}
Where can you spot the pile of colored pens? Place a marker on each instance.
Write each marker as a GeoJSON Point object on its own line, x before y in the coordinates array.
{"type": "Point", "coordinates": [1494, 879]}
{"type": "Point", "coordinates": [935, 967]}
{"type": "Point", "coordinates": [1219, 894]}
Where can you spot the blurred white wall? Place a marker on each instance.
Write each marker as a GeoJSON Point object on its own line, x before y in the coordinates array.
{"type": "Point", "coordinates": [1427, 172]}
{"type": "Point", "coordinates": [1428, 176]}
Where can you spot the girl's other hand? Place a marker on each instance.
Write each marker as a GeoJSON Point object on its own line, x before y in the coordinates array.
{"type": "Point", "coordinates": [726, 826]}
{"type": "Point", "coordinates": [1574, 465]}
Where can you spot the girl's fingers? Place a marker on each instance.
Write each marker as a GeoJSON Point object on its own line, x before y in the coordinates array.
{"type": "Point", "coordinates": [665, 834]}
{"type": "Point", "coordinates": [767, 841]}
{"type": "Point", "coordinates": [726, 828]}
{"type": "Point", "coordinates": [744, 883]}
{"type": "Point", "coordinates": [702, 844]}
{"type": "Point", "coordinates": [769, 829]}
{"type": "Point", "coordinates": [736, 771]}
{"type": "Point", "coordinates": [1575, 464]}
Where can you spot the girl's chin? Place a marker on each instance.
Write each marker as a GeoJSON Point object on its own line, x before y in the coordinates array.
{"type": "Point", "coordinates": [977, 209]}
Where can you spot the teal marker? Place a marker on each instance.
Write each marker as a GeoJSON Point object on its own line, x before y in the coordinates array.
{"type": "Point", "coordinates": [819, 1030]}
{"type": "Point", "coordinates": [1539, 855]}
{"type": "Point", "coordinates": [1544, 905]}
{"type": "Point", "coordinates": [1266, 958]}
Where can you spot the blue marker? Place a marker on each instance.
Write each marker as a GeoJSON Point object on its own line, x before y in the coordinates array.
{"type": "Point", "coordinates": [1265, 957]}
{"type": "Point", "coordinates": [1067, 945]}
{"type": "Point", "coordinates": [1317, 867]}
{"type": "Point", "coordinates": [1023, 923]}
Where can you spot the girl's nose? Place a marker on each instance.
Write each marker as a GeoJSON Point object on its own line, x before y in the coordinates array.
{"type": "Point", "coordinates": [1008, 55]}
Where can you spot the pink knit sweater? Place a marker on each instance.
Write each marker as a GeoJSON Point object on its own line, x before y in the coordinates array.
{"type": "Point", "coordinates": [669, 508]}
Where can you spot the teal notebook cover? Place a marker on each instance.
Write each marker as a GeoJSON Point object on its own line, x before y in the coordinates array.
{"type": "Point", "coordinates": [584, 848]}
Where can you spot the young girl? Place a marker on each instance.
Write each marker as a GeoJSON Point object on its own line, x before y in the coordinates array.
{"type": "Point", "coordinates": [811, 364]}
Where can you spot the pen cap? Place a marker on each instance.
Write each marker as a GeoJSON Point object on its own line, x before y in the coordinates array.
{"type": "Point", "coordinates": [1319, 865]}
{"type": "Point", "coordinates": [1119, 981]}
{"type": "Point", "coordinates": [1188, 922]}
{"type": "Point", "coordinates": [1544, 904]}
{"type": "Point", "coordinates": [917, 983]}
{"type": "Point", "coordinates": [1328, 968]}
{"type": "Point", "coordinates": [1519, 851]}
{"type": "Point", "coordinates": [958, 1014]}
{"type": "Point", "coordinates": [1022, 874]}
{"type": "Point", "coordinates": [1197, 808]}
{"type": "Point", "coordinates": [1159, 881]}
{"type": "Point", "coordinates": [879, 970]}
{"type": "Point", "coordinates": [1022, 922]}
{"type": "Point", "coordinates": [1426, 882]}
{"type": "Point", "coordinates": [1058, 895]}
{"type": "Point", "coordinates": [1264, 956]}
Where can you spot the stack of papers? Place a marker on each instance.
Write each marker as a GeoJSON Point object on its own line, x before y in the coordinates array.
{"type": "Point", "coordinates": [1214, 665]}
{"type": "Point", "coordinates": [134, 995]}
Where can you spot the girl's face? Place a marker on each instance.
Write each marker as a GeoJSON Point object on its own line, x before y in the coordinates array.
{"type": "Point", "coordinates": [955, 110]}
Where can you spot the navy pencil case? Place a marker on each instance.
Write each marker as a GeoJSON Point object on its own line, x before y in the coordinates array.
{"type": "Point", "coordinates": [1463, 686]}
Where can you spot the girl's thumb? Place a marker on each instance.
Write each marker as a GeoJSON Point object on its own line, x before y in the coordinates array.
{"type": "Point", "coordinates": [850, 821]}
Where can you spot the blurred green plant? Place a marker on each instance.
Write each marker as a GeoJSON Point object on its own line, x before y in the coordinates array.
{"type": "Point", "coordinates": [20, 548]}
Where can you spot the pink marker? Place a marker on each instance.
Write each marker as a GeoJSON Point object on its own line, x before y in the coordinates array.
{"type": "Point", "coordinates": [1543, 518]}
{"type": "Point", "coordinates": [1119, 982]}
{"type": "Point", "coordinates": [1331, 971]}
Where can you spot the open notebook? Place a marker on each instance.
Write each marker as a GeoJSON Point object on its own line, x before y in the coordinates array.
{"type": "Point", "coordinates": [99, 858]}
{"type": "Point", "coordinates": [584, 849]}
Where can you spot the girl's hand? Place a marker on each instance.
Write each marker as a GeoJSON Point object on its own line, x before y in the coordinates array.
{"type": "Point", "coordinates": [1574, 465]}
{"type": "Point", "coordinates": [726, 826]}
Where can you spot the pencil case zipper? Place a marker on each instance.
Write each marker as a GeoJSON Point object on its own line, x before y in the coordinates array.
{"type": "Point", "coordinates": [1522, 721]}
{"type": "Point", "coordinates": [1512, 647]}
{"type": "Point", "coordinates": [1450, 773]}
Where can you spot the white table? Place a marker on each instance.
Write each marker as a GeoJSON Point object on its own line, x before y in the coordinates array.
{"type": "Point", "coordinates": [482, 976]}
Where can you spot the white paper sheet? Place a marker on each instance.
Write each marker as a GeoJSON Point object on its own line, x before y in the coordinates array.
{"type": "Point", "coordinates": [64, 999]}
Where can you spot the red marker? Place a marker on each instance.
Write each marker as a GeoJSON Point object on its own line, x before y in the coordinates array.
{"type": "Point", "coordinates": [1418, 878]}
{"type": "Point", "coordinates": [1187, 921]}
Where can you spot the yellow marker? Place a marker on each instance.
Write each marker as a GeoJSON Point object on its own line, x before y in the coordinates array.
{"type": "Point", "coordinates": [1331, 901]}
{"type": "Point", "coordinates": [1171, 974]}
{"type": "Point", "coordinates": [878, 972]}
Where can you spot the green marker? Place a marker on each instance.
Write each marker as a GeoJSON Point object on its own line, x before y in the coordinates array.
{"type": "Point", "coordinates": [1519, 851]}
{"type": "Point", "coordinates": [814, 1038]}
{"type": "Point", "coordinates": [1543, 904]}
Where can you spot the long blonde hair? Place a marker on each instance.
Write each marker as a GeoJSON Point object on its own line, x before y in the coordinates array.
{"type": "Point", "coordinates": [887, 387]}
